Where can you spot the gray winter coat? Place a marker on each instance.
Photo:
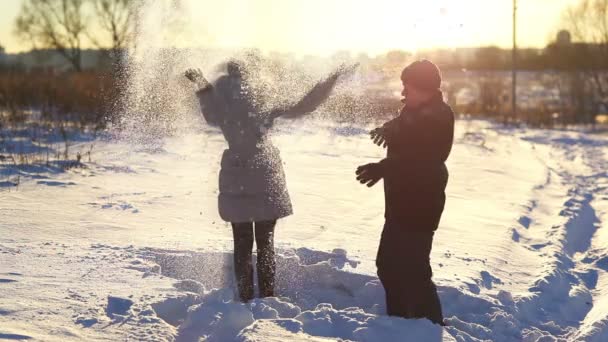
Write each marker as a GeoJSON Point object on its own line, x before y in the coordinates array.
{"type": "Point", "coordinates": [252, 181]}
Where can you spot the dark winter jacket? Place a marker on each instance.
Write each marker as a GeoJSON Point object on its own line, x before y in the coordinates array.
{"type": "Point", "coordinates": [415, 176]}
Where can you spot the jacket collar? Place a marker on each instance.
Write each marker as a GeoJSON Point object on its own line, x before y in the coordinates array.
{"type": "Point", "coordinates": [436, 99]}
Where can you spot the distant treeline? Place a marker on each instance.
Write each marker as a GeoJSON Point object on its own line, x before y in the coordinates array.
{"type": "Point", "coordinates": [564, 85]}
{"type": "Point", "coordinates": [84, 98]}
{"type": "Point", "coordinates": [572, 56]}
{"type": "Point", "coordinates": [576, 56]}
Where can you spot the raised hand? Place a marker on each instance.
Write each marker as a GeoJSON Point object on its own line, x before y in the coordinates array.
{"type": "Point", "coordinates": [196, 76]}
{"type": "Point", "coordinates": [316, 96]}
{"type": "Point", "coordinates": [369, 174]}
{"type": "Point", "coordinates": [343, 69]}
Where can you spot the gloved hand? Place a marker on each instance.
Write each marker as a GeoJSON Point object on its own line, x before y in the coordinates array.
{"type": "Point", "coordinates": [369, 174]}
{"type": "Point", "coordinates": [196, 76]}
{"type": "Point", "coordinates": [344, 69]}
{"type": "Point", "coordinates": [379, 136]}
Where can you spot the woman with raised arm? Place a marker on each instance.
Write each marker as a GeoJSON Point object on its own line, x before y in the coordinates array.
{"type": "Point", "coordinates": [253, 192]}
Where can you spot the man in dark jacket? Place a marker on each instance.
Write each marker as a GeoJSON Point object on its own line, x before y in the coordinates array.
{"type": "Point", "coordinates": [418, 143]}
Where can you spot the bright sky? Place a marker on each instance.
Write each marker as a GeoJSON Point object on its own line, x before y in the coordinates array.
{"type": "Point", "coordinates": [372, 26]}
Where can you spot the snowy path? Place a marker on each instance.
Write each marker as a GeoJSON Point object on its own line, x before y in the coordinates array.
{"type": "Point", "coordinates": [519, 255]}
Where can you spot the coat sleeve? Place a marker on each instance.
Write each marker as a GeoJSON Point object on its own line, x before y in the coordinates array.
{"type": "Point", "coordinates": [419, 142]}
{"type": "Point", "coordinates": [212, 105]}
{"type": "Point", "coordinates": [309, 103]}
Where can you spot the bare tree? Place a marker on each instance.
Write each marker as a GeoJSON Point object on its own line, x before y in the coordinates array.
{"type": "Point", "coordinates": [116, 20]}
{"type": "Point", "coordinates": [588, 23]}
{"type": "Point", "coordinates": [54, 24]}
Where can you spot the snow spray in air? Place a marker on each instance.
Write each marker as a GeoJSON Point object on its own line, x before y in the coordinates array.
{"type": "Point", "coordinates": [172, 36]}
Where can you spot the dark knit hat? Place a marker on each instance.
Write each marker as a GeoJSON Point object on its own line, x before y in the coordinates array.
{"type": "Point", "coordinates": [422, 74]}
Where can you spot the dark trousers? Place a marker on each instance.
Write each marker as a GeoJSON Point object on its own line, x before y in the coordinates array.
{"type": "Point", "coordinates": [243, 234]}
{"type": "Point", "coordinates": [404, 269]}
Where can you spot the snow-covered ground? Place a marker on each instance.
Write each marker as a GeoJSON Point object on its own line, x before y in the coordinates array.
{"type": "Point", "coordinates": [131, 246]}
